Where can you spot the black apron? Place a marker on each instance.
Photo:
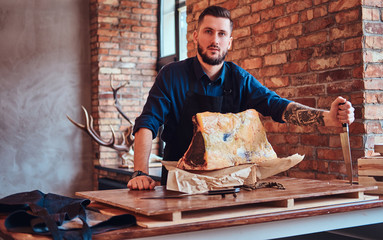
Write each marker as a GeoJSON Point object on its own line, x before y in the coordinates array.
{"type": "Point", "coordinates": [46, 214]}
{"type": "Point", "coordinates": [196, 103]}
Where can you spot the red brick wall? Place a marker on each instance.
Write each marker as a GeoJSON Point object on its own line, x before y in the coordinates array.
{"type": "Point", "coordinates": [372, 14]}
{"type": "Point", "coordinates": [310, 51]}
{"type": "Point", "coordinates": [123, 48]}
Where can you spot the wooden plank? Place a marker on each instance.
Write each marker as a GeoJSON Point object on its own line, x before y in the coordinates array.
{"type": "Point", "coordinates": [286, 203]}
{"type": "Point", "coordinates": [378, 148]}
{"type": "Point", "coordinates": [295, 189]}
{"type": "Point", "coordinates": [246, 210]}
{"type": "Point", "coordinates": [357, 195]}
{"type": "Point", "coordinates": [371, 181]}
{"type": "Point", "coordinates": [372, 166]}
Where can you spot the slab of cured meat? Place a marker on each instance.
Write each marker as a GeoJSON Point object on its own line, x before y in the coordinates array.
{"type": "Point", "coordinates": [225, 140]}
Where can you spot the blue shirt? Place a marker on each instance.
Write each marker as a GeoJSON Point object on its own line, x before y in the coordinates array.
{"type": "Point", "coordinates": [167, 96]}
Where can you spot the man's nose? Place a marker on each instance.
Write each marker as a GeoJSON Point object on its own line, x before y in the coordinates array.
{"type": "Point", "coordinates": [215, 38]}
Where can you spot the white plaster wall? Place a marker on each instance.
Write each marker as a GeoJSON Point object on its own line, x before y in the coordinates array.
{"type": "Point", "coordinates": [44, 75]}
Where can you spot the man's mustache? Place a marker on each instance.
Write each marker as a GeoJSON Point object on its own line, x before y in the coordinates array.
{"type": "Point", "coordinates": [214, 46]}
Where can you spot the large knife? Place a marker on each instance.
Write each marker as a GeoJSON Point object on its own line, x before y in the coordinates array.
{"type": "Point", "coordinates": [345, 141]}
{"type": "Point", "coordinates": [221, 192]}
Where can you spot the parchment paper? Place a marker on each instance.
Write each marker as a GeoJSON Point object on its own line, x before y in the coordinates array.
{"type": "Point", "coordinates": [203, 181]}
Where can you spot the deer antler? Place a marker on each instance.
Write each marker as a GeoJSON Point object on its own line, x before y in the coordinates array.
{"type": "Point", "coordinates": [116, 103]}
{"type": "Point", "coordinates": [88, 128]}
{"type": "Point", "coordinates": [128, 134]}
{"type": "Point", "coordinates": [128, 139]}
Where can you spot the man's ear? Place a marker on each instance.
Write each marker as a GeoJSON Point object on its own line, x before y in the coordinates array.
{"type": "Point", "coordinates": [231, 41]}
{"type": "Point", "coordinates": [195, 36]}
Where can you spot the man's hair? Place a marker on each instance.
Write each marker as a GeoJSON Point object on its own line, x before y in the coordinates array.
{"type": "Point", "coordinates": [216, 11]}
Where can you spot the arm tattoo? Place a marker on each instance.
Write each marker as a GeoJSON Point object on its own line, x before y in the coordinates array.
{"type": "Point", "coordinates": [301, 115]}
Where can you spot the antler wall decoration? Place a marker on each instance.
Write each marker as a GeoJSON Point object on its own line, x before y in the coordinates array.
{"type": "Point", "coordinates": [126, 147]}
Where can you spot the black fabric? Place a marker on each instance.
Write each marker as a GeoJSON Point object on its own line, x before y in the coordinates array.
{"type": "Point", "coordinates": [38, 213]}
{"type": "Point", "coordinates": [195, 103]}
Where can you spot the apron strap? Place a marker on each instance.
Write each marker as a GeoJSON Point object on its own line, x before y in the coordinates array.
{"type": "Point", "coordinates": [228, 104]}
{"type": "Point", "coordinates": [44, 218]}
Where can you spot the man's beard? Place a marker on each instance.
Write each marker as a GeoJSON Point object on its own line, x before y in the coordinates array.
{"type": "Point", "coordinates": [211, 61]}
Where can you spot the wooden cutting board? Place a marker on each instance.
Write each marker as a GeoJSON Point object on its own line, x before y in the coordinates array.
{"type": "Point", "coordinates": [298, 193]}
{"type": "Point", "coordinates": [378, 148]}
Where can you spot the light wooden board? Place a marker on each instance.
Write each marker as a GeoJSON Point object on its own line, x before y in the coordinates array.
{"type": "Point", "coordinates": [244, 210]}
{"type": "Point", "coordinates": [378, 148]}
{"type": "Point", "coordinates": [370, 166]}
{"type": "Point", "coordinates": [371, 181]}
{"type": "Point", "coordinates": [176, 211]}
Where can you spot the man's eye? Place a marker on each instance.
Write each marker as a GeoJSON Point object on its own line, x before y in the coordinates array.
{"type": "Point", "coordinates": [208, 31]}
{"type": "Point", "coordinates": [222, 34]}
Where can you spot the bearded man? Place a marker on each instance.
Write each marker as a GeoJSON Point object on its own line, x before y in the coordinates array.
{"type": "Point", "coordinates": [208, 83]}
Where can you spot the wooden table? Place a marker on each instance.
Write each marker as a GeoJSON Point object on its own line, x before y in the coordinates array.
{"type": "Point", "coordinates": [293, 220]}
{"type": "Point", "coordinates": [265, 226]}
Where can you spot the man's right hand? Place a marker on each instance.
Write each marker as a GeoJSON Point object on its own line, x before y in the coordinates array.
{"type": "Point", "coordinates": [141, 183]}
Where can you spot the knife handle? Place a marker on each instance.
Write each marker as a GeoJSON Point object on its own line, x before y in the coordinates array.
{"type": "Point", "coordinates": [344, 125]}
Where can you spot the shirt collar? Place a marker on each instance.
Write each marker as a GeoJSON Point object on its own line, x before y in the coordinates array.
{"type": "Point", "coordinates": [199, 73]}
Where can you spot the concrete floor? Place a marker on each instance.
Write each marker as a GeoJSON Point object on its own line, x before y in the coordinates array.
{"type": "Point", "coordinates": [367, 232]}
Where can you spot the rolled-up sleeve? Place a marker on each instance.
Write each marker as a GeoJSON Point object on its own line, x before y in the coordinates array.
{"type": "Point", "coordinates": [157, 105]}
{"type": "Point", "coordinates": [265, 101]}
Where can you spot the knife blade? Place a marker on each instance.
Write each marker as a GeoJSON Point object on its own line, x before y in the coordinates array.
{"type": "Point", "coordinates": [345, 142]}
{"type": "Point", "coordinates": [221, 192]}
